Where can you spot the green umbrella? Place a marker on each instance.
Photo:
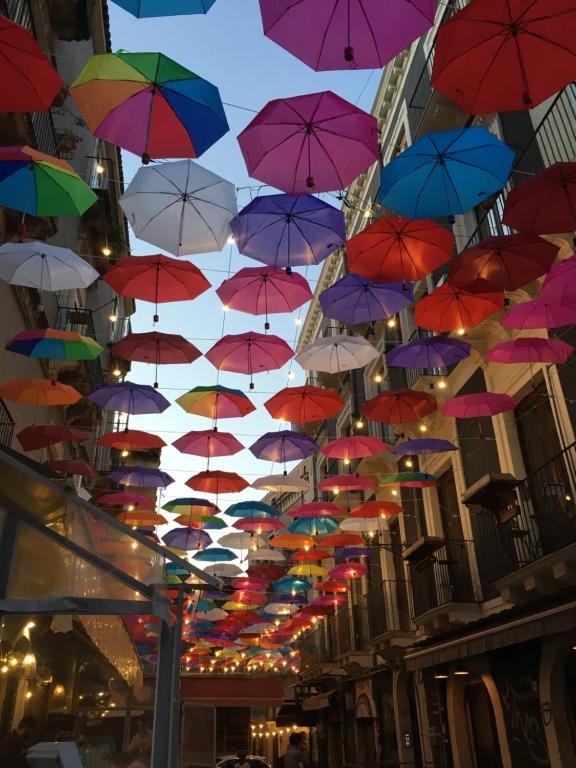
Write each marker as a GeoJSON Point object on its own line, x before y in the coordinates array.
{"type": "Point", "coordinates": [410, 480]}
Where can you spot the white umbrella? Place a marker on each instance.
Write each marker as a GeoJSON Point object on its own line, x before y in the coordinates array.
{"type": "Point", "coordinates": [362, 525]}
{"type": "Point", "coordinates": [265, 553]}
{"type": "Point", "coordinates": [214, 614]}
{"type": "Point", "coordinates": [180, 207]}
{"type": "Point", "coordinates": [284, 483]}
{"type": "Point", "coordinates": [252, 629]}
{"type": "Point", "coordinates": [241, 540]}
{"type": "Point", "coordinates": [45, 267]}
{"type": "Point", "coordinates": [223, 570]}
{"type": "Point", "coordinates": [281, 609]}
{"type": "Point", "coordinates": [333, 354]}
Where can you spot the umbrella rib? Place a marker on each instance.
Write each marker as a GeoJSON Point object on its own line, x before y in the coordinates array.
{"type": "Point", "coordinates": [326, 30]}
{"type": "Point", "coordinates": [331, 161]}
{"type": "Point", "coordinates": [306, 240]}
{"type": "Point", "coordinates": [18, 69]}
{"type": "Point", "coordinates": [192, 205]}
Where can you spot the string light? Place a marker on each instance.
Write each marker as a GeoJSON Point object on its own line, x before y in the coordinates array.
{"type": "Point", "coordinates": [106, 251]}
{"type": "Point", "coordinates": [100, 168]}
{"type": "Point", "coordinates": [423, 428]}
{"type": "Point", "coordinates": [359, 424]}
{"type": "Point", "coordinates": [125, 453]}
{"type": "Point", "coordinates": [116, 372]}
{"type": "Point", "coordinates": [298, 320]}
{"type": "Point", "coordinates": [231, 240]}
{"type": "Point", "coordinates": [392, 322]}
{"type": "Point", "coordinates": [113, 317]}
{"type": "Point", "coordinates": [378, 378]}
{"type": "Point", "coordinates": [461, 331]}
{"type": "Point", "coordinates": [441, 384]}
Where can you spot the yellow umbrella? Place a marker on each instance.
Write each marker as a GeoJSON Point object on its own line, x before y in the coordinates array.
{"type": "Point", "coordinates": [307, 569]}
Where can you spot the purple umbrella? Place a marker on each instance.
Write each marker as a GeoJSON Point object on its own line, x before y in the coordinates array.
{"type": "Point", "coordinates": [289, 230]}
{"type": "Point", "coordinates": [287, 599]}
{"type": "Point", "coordinates": [143, 477]}
{"type": "Point", "coordinates": [357, 34]}
{"type": "Point", "coordinates": [528, 349]}
{"type": "Point", "coordinates": [422, 445]}
{"type": "Point", "coordinates": [186, 538]}
{"type": "Point", "coordinates": [429, 352]}
{"type": "Point", "coordinates": [354, 299]}
{"type": "Point", "coordinates": [284, 446]}
{"type": "Point", "coordinates": [127, 397]}
{"type": "Point", "coordinates": [346, 552]}
{"type": "Point", "coordinates": [313, 143]}
{"type": "Point", "coordinates": [542, 312]}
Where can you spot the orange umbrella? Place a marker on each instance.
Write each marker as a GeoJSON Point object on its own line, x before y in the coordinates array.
{"type": "Point", "coordinates": [376, 509]}
{"type": "Point", "coordinates": [130, 438]}
{"type": "Point", "coordinates": [308, 555]}
{"type": "Point", "coordinates": [141, 519]}
{"type": "Point", "coordinates": [217, 481]}
{"type": "Point", "coordinates": [39, 392]}
{"type": "Point", "coordinates": [291, 541]}
{"type": "Point", "coordinates": [453, 309]}
{"type": "Point", "coordinates": [332, 586]}
{"type": "Point", "coordinates": [342, 540]}
{"type": "Point", "coordinates": [399, 405]}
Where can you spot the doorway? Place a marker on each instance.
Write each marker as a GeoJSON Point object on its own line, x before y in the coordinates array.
{"type": "Point", "coordinates": [484, 744]}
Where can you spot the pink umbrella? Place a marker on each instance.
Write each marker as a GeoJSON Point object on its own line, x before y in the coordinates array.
{"type": "Point", "coordinates": [249, 353]}
{"type": "Point", "coordinates": [264, 291]}
{"type": "Point", "coordinates": [315, 509]}
{"type": "Point", "coordinates": [313, 143]}
{"type": "Point", "coordinates": [541, 312]}
{"type": "Point", "coordinates": [345, 571]}
{"type": "Point", "coordinates": [258, 525]}
{"type": "Point", "coordinates": [560, 284]}
{"type": "Point", "coordinates": [355, 447]}
{"type": "Point", "coordinates": [209, 443]}
{"type": "Point", "coordinates": [478, 405]}
{"type": "Point", "coordinates": [529, 349]}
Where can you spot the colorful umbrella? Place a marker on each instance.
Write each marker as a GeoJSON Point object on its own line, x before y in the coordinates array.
{"type": "Point", "coordinates": [354, 299]}
{"type": "Point", "coordinates": [127, 397]}
{"type": "Point", "coordinates": [310, 555]}
{"type": "Point", "coordinates": [396, 249]}
{"type": "Point", "coordinates": [39, 392]}
{"type": "Point", "coordinates": [249, 582]}
{"type": "Point", "coordinates": [423, 445]}
{"type": "Point", "coordinates": [264, 291]}
{"type": "Point", "coordinates": [148, 104]}
{"type": "Point", "coordinates": [339, 483]}
{"type": "Point", "coordinates": [128, 499]}
{"type": "Point", "coordinates": [449, 309]}
{"type": "Point", "coordinates": [355, 447]}
{"type": "Point", "coordinates": [211, 523]}
{"type": "Point", "coordinates": [289, 230]}
{"type": "Point", "coordinates": [291, 541]}
{"type": "Point", "coordinates": [258, 525]}
{"type": "Point", "coordinates": [334, 354]}
{"type": "Point", "coordinates": [503, 263]}
{"type": "Point", "coordinates": [41, 185]}
{"type": "Point", "coordinates": [216, 402]}
{"type": "Point", "coordinates": [531, 350]}
{"type": "Point", "coordinates": [313, 143]}
{"type": "Point", "coordinates": [489, 55]}
{"type": "Point", "coordinates": [369, 525]}
{"type": "Point", "coordinates": [284, 446]}
{"type": "Point", "coordinates": [187, 538]}
{"type": "Point", "coordinates": [142, 477]}
{"type": "Point", "coordinates": [180, 207]}
{"type": "Point", "coordinates": [252, 508]}
{"type": "Point", "coordinates": [142, 520]}
{"type": "Point", "coordinates": [127, 439]}
{"type": "Point", "coordinates": [348, 571]}
{"type": "Point", "coordinates": [560, 283]}
{"type": "Point", "coordinates": [314, 526]}
{"type": "Point", "coordinates": [215, 555]}
{"type": "Point", "coordinates": [282, 483]}
{"type": "Point", "coordinates": [332, 586]}
{"type": "Point", "coordinates": [355, 35]}
{"type": "Point", "coordinates": [156, 348]}
{"type": "Point", "coordinates": [267, 571]}
{"type": "Point", "coordinates": [315, 509]}
{"type": "Point", "coordinates": [410, 480]}
{"type": "Point", "coordinates": [249, 353]}
{"type": "Point", "coordinates": [189, 506]}
{"type": "Point", "coordinates": [300, 405]}
{"type": "Point", "coordinates": [478, 405]}
{"type": "Point", "coordinates": [144, 9]}
{"type": "Point", "coordinates": [428, 352]}
{"type": "Point", "coordinates": [446, 173]}
{"type": "Point", "coordinates": [291, 583]}
{"type": "Point", "coordinates": [328, 601]}
{"type": "Point", "coordinates": [397, 406]}
{"type": "Point", "coordinates": [217, 481]}
{"type": "Point", "coordinates": [544, 204]}
{"type": "Point", "coordinates": [44, 267]}
{"type": "Point", "coordinates": [341, 540]}
{"type": "Point", "coordinates": [71, 467]}
{"type": "Point", "coordinates": [541, 312]}
{"type": "Point", "coordinates": [53, 344]}
{"type": "Point", "coordinates": [41, 436]}
{"type": "Point", "coordinates": [209, 443]}
{"type": "Point", "coordinates": [376, 508]}
{"type": "Point", "coordinates": [264, 553]}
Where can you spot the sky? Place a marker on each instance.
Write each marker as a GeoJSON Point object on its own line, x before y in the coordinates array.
{"type": "Point", "coordinates": [228, 48]}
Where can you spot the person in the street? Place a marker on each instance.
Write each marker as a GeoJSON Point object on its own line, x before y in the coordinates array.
{"type": "Point", "coordinates": [13, 748]}
{"type": "Point", "coordinates": [296, 757]}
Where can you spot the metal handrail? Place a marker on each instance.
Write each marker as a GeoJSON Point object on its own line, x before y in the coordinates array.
{"type": "Point", "coordinates": [6, 426]}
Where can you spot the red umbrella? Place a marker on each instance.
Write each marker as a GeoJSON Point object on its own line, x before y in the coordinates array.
{"type": "Point", "coordinates": [71, 467]}
{"type": "Point", "coordinates": [376, 508]}
{"type": "Point", "coordinates": [248, 597]}
{"type": "Point", "coordinates": [264, 291]}
{"type": "Point", "coordinates": [350, 448]}
{"type": "Point", "coordinates": [310, 555]}
{"type": "Point", "coordinates": [127, 439]}
{"type": "Point", "coordinates": [399, 405]}
{"type": "Point", "coordinates": [332, 586]}
{"type": "Point", "coordinates": [339, 483]}
{"type": "Point", "coordinates": [450, 309]}
{"type": "Point", "coordinates": [209, 443]}
{"type": "Point", "coordinates": [479, 405]}
{"type": "Point", "coordinates": [156, 348]}
{"type": "Point", "coordinates": [502, 263]}
{"type": "Point", "coordinates": [249, 353]}
{"type": "Point", "coordinates": [300, 405]}
{"type": "Point", "coordinates": [342, 540]}
{"type": "Point", "coordinates": [396, 249]}
{"type": "Point", "coordinates": [157, 279]}
{"type": "Point", "coordinates": [507, 55]}
{"type": "Point", "coordinates": [258, 525]}
{"type": "Point", "coordinates": [41, 436]}
{"type": "Point", "coordinates": [249, 582]}
{"type": "Point", "coordinates": [347, 571]}
{"type": "Point", "coordinates": [544, 204]}
{"type": "Point", "coordinates": [267, 571]}
{"type": "Point", "coordinates": [217, 481]}
{"type": "Point", "coordinates": [126, 499]}
{"type": "Point", "coordinates": [315, 509]}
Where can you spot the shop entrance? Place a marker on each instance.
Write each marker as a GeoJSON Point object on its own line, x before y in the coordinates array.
{"type": "Point", "coordinates": [483, 736]}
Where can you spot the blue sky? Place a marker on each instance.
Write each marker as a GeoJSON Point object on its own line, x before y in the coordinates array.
{"type": "Point", "coordinates": [227, 47]}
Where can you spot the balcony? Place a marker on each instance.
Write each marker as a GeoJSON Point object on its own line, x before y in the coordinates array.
{"type": "Point", "coordinates": [384, 618]}
{"type": "Point", "coordinates": [6, 426]}
{"type": "Point", "coordinates": [81, 321]}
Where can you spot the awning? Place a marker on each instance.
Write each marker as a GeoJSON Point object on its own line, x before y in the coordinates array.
{"type": "Point", "coordinates": [291, 713]}
{"type": "Point", "coordinates": [233, 691]}
{"type": "Point", "coordinates": [320, 701]}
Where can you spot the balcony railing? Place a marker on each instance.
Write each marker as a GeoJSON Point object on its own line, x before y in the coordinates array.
{"type": "Point", "coordinates": [384, 608]}
{"type": "Point", "coordinates": [6, 426]}
{"type": "Point", "coordinates": [81, 321]}
{"type": "Point", "coordinates": [443, 577]}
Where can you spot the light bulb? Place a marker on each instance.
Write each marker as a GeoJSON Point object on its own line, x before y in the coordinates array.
{"type": "Point", "coordinates": [367, 213]}
{"type": "Point", "coordinates": [409, 463]}
{"type": "Point", "coordinates": [461, 331]}
{"type": "Point", "coordinates": [113, 317]}
{"type": "Point", "coordinates": [106, 251]}
{"type": "Point", "coordinates": [231, 240]}
{"type": "Point", "coordinates": [100, 168]}
{"type": "Point", "coordinates": [394, 492]}
{"type": "Point", "coordinates": [28, 694]}
{"type": "Point", "coordinates": [441, 384]}
{"type": "Point", "coordinates": [346, 461]}
{"type": "Point", "coordinates": [4, 669]}
{"type": "Point", "coordinates": [378, 378]}
{"type": "Point", "coordinates": [298, 320]}
{"type": "Point", "coordinates": [130, 507]}
{"type": "Point", "coordinates": [336, 491]}
{"type": "Point", "coordinates": [29, 660]}
{"type": "Point", "coordinates": [225, 307]}
{"type": "Point", "coordinates": [359, 424]}
{"type": "Point", "coordinates": [125, 453]}
{"type": "Point", "coordinates": [423, 428]}
{"type": "Point", "coordinates": [290, 375]}
{"type": "Point", "coordinates": [392, 322]}
{"type": "Point", "coordinates": [116, 372]}
{"type": "Point", "coordinates": [30, 625]}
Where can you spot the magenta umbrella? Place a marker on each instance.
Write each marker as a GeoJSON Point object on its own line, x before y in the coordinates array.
{"type": "Point", "coordinates": [209, 443]}
{"type": "Point", "coordinates": [529, 349]}
{"type": "Point", "coordinates": [249, 353]}
{"type": "Point", "coordinates": [264, 291]}
{"type": "Point", "coordinates": [560, 284]}
{"type": "Point", "coordinates": [478, 405]}
{"type": "Point", "coordinates": [313, 143]}
{"type": "Point", "coordinates": [541, 312]}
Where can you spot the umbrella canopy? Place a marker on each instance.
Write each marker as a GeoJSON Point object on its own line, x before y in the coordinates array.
{"type": "Point", "coordinates": [41, 185]}
{"type": "Point", "coordinates": [428, 352]}
{"type": "Point", "coordinates": [267, 571]}
{"type": "Point", "coordinates": [142, 477]}
{"type": "Point", "coordinates": [354, 299]}
{"type": "Point", "coordinates": [141, 520]}
{"type": "Point", "coordinates": [291, 541]}
{"type": "Point", "coordinates": [423, 445]}
{"type": "Point", "coordinates": [376, 508]}
{"type": "Point", "coordinates": [355, 447]}
{"type": "Point", "coordinates": [249, 353]}
{"type": "Point", "coordinates": [180, 207]}
{"type": "Point", "coordinates": [209, 443]}
{"type": "Point", "coordinates": [41, 436]}
{"type": "Point", "coordinates": [189, 506]}
{"type": "Point", "coordinates": [334, 354]}
{"type": "Point", "coordinates": [304, 569]}
{"type": "Point", "coordinates": [29, 83]}
{"type": "Point", "coordinates": [127, 397]}
{"type": "Point", "coordinates": [211, 523]}
{"type": "Point", "coordinates": [528, 349]}
{"type": "Point", "coordinates": [44, 267]}
{"type": "Point", "coordinates": [560, 283]}
{"type": "Point", "coordinates": [313, 143]}
{"type": "Point", "coordinates": [71, 467]}
{"type": "Point", "coordinates": [157, 348]}
{"type": "Point", "coordinates": [216, 402]}
{"type": "Point", "coordinates": [53, 344]}
{"type": "Point", "coordinates": [282, 483]}
{"type": "Point", "coordinates": [544, 204]}
{"type": "Point", "coordinates": [348, 571]}
{"type": "Point", "coordinates": [289, 230]}
{"type": "Point", "coordinates": [217, 481]}
{"type": "Point", "coordinates": [291, 583]}
{"type": "Point", "coordinates": [249, 582]}
{"type": "Point", "coordinates": [449, 309]}
{"type": "Point", "coordinates": [127, 439]}
{"type": "Point", "coordinates": [399, 405]}
{"type": "Point", "coordinates": [369, 525]}
{"type": "Point", "coordinates": [478, 405]}
{"type": "Point", "coordinates": [446, 173]}
{"type": "Point", "coordinates": [503, 263]}
{"type": "Point", "coordinates": [284, 446]}
{"type": "Point", "coordinates": [258, 525]}
{"type": "Point", "coordinates": [357, 35]}
{"type": "Point", "coordinates": [396, 249]}
{"type": "Point", "coordinates": [541, 312]}
{"type": "Point", "coordinates": [264, 291]}
{"type": "Point", "coordinates": [310, 555]}
{"type": "Point", "coordinates": [265, 553]}
{"type": "Point", "coordinates": [144, 9]}
{"type": "Point", "coordinates": [410, 480]}
{"type": "Point", "coordinates": [339, 483]}
{"type": "Point", "coordinates": [252, 508]}
{"type": "Point", "coordinates": [243, 540]}
{"type": "Point", "coordinates": [187, 538]}
{"type": "Point", "coordinates": [341, 540]}
{"type": "Point", "coordinates": [331, 586]}
{"type": "Point", "coordinates": [314, 526]}
{"type": "Point", "coordinates": [39, 392]}
{"type": "Point", "coordinates": [489, 55]}
{"type": "Point", "coordinates": [217, 555]}
{"type": "Point", "coordinates": [300, 405]}
{"type": "Point", "coordinates": [129, 499]}
{"type": "Point", "coordinates": [315, 509]}
{"type": "Point", "coordinates": [148, 104]}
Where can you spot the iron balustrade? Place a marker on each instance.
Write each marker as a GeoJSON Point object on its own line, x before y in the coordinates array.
{"type": "Point", "coordinates": [443, 578]}
{"type": "Point", "coordinates": [81, 321]}
{"type": "Point", "coordinates": [6, 426]}
{"type": "Point", "coordinates": [384, 608]}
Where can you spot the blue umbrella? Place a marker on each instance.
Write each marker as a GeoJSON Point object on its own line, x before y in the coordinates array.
{"type": "Point", "coordinates": [355, 299]}
{"type": "Point", "coordinates": [215, 555]}
{"type": "Point", "coordinates": [144, 9]}
{"type": "Point", "coordinates": [346, 552]}
{"type": "Point", "coordinates": [429, 352]}
{"type": "Point", "coordinates": [314, 526]}
{"type": "Point", "coordinates": [446, 173]}
{"type": "Point", "coordinates": [290, 583]}
{"type": "Point", "coordinates": [284, 446]}
{"type": "Point", "coordinates": [255, 509]}
{"type": "Point", "coordinates": [127, 397]}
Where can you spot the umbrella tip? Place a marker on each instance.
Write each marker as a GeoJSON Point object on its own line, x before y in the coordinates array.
{"type": "Point", "coordinates": [349, 53]}
{"type": "Point", "coordinates": [155, 385]}
{"type": "Point", "coordinates": [310, 182]}
{"type": "Point", "coordinates": [156, 318]}
{"type": "Point", "coordinates": [288, 270]}
{"type": "Point", "coordinates": [146, 159]}
{"type": "Point", "coordinates": [266, 326]}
